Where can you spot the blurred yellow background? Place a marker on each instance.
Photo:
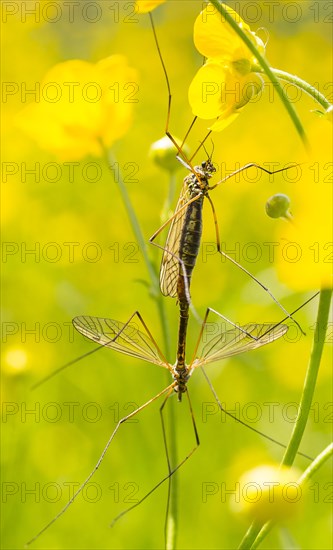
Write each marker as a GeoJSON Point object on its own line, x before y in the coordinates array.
{"type": "Point", "coordinates": [54, 449]}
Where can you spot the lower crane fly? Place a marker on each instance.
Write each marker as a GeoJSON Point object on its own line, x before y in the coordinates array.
{"type": "Point", "coordinates": [140, 344]}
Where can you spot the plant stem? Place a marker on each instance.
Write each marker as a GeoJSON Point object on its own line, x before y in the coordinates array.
{"type": "Point", "coordinates": [316, 464]}
{"type": "Point", "coordinates": [171, 520]}
{"type": "Point", "coordinates": [257, 531]}
{"type": "Point", "coordinates": [250, 536]}
{"type": "Point", "coordinates": [263, 533]}
{"type": "Point", "coordinates": [265, 66]}
{"type": "Point", "coordinates": [171, 526]}
{"type": "Point", "coordinates": [310, 378]}
{"type": "Point", "coordinates": [303, 85]}
{"type": "Point", "coordinates": [111, 160]}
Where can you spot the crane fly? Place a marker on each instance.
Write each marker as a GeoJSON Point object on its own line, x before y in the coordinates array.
{"type": "Point", "coordinates": [127, 339]}
{"type": "Point", "coordinates": [183, 241]}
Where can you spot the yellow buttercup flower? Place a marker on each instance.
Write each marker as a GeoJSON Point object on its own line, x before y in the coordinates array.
{"type": "Point", "coordinates": [227, 82]}
{"type": "Point", "coordinates": [143, 6]}
{"type": "Point", "coordinates": [15, 361]}
{"type": "Point", "coordinates": [269, 492]}
{"type": "Point", "coordinates": [82, 105]}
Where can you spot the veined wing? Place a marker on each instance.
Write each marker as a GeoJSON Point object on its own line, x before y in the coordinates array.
{"type": "Point", "coordinates": [130, 341]}
{"type": "Point", "coordinates": [235, 341]}
{"type": "Point", "coordinates": [169, 271]}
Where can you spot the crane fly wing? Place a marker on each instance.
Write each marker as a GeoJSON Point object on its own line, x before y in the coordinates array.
{"type": "Point", "coordinates": [113, 334]}
{"type": "Point", "coordinates": [169, 272]}
{"type": "Point", "coordinates": [235, 341]}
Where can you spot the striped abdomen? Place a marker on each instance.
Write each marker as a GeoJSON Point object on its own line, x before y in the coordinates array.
{"type": "Point", "coordinates": [190, 243]}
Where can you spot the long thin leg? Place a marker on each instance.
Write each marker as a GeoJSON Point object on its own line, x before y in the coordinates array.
{"type": "Point", "coordinates": [63, 367]}
{"type": "Point", "coordinates": [98, 463]}
{"type": "Point", "coordinates": [218, 242]}
{"type": "Point", "coordinates": [251, 165]}
{"type": "Point", "coordinates": [215, 394]}
{"type": "Point", "coordinates": [201, 145]}
{"type": "Point", "coordinates": [171, 472]}
{"type": "Point", "coordinates": [169, 467]}
{"type": "Point", "coordinates": [220, 251]}
{"type": "Point", "coordinates": [244, 423]}
{"type": "Point", "coordinates": [188, 132]}
{"type": "Point", "coordinates": [181, 153]}
{"type": "Point", "coordinates": [174, 215]}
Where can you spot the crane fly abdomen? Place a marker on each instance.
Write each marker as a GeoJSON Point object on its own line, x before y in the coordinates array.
{"type": "Point", "coordinates": [190, 240]}
{"type": "Point", "coordinates": [183, 241]}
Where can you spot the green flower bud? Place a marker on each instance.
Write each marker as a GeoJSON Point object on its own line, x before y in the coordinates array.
{"type": "Point", "coordinates": [164, 154]}
{"type": "Point", "coordinates": [277, 206]}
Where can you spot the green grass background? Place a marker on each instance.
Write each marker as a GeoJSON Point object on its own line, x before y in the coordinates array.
{"type": "Point", "coordinates": [39, 452]}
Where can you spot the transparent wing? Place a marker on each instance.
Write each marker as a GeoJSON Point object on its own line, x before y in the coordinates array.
{"type": "Point", "coordinates": [234, 341]}
{"type": "Point", "coordinates": [169, 271]}
{"type": "Point", "coordinates": [127, 339]}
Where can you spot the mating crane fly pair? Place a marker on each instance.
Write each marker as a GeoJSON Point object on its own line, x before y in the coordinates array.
{"type": "Point", "coordinates": [179, 256]}
{"type": "Point", "coordinates": [178, 261]}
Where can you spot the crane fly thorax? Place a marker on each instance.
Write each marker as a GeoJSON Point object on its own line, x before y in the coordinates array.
{"type": "Point", "coordinates": [198, 183]}
{"type": "Point", "coordinates": [181, 375]}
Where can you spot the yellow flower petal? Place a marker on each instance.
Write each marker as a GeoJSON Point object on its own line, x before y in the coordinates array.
{"type": "Point", "coordinates": [81, 105]}
{"type": "Point", "coordinates": [226, 83]}
{"type": "Point", "coordinates": [214, 37]}
{"type": "Point", "coordinates": [206, 89]}
{"type": "Point", "coordinates": [224, 121]}
{"type": "Point", "coordinates": [143, 6]}
{"type": "Point", "coordinates": [120, 94]}
{"type": "Point", "coordinates": [218, 90]}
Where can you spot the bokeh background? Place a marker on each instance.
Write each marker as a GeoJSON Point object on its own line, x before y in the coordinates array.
{"type": "Point", "coordinates": [54, 449]}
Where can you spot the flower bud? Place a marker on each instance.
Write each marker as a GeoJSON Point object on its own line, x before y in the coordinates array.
{"type": "Point", "coordinates": [277, 206]}
{"type": "Point", "coordinates": [270, 492]}
{"type": "Point", "coordinates": [164, 154]}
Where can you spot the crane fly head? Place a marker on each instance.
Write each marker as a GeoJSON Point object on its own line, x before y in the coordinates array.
{"type": "Point", "coordinates": [208, 168]}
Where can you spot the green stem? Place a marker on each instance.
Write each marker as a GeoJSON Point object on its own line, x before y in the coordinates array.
{"type": "Point", "coordinates": [250, 536]}
{"type": "Point", "coordinates": [303, 85]}
{"type": "Point", "coordinates": [316, 464]}
{"type": "Point", "coordinates": [172, 519]}
{"type": "Point", "coordinates": [257, 532]}
{"type": "Point", "coordinates": [171, 522]}
{"type": "Point", "coordinates": [262, 534]}
{"type": "Point", "coordinates": [111, 161]}
{"type": "Point", "coordinates": [266, 68]}
{"type": "Point", "coordinates": [310, 378]}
